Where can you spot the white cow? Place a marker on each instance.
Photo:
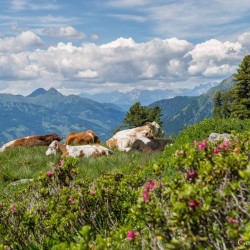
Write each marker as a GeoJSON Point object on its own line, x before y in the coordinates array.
{"type": "Point", "coordinates": [77, 151]}
{"type": "Point", "coordinates": [125, 138]}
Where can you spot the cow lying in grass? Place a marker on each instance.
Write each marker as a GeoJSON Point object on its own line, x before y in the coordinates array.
{"type": "Point", "coordinates": [81, 138]}
{"type": "Point", "coordinates": [148, 145]}
{"type": "Point", "coordinates": [77, 151]}
{"type": "Point", "coordinates": [33, 140]}
{"type": "Point", "coordinates": [124, 139]}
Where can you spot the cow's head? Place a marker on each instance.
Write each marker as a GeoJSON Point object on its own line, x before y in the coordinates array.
{"type": "Point", "coordinates": [53, 148]}
{"type": "Point", "coordinates": [156, 129]}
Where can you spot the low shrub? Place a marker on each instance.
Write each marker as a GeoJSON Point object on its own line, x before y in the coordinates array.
{"type": "Point", "coordinates": [205, 207]}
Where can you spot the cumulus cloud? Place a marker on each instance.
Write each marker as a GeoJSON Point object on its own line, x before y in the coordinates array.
{"type": "Point", "coordinates": [120, 64]}
{"type": "Point", "coordinates": [21, 42]}
{"type": "Point", "coordinates": [64, 32]}
{"type": "Point", "coordinates": [214, 57]}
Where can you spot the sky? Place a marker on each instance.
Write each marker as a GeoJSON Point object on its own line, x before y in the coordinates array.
{"type": "Point", "coordinates": [95, 46]}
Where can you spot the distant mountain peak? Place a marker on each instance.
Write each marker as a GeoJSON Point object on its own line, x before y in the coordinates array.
{"type": "Point", "coordinates": [37, 92]}
{"type": "Point", "coordinates": [53, 91]}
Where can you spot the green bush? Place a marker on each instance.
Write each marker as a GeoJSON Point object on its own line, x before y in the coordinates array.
{"type": "Point", "coordinates": [205, 207]}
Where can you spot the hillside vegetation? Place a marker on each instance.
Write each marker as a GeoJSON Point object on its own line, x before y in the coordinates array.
{"type": "Point", "coordinates": [183, 111]}
{"type": "Point", "coordinates": [194, 195]}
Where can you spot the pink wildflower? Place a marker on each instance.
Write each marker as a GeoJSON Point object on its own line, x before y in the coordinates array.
{"type": "Point", "coordinates": [150, 185]}
{"type": "Point", "coordinates": [216, 151]}
{"type": "Point", "coordinates": [232, 220]}
{"type": "Point", "coordinates": [146, 196]}
{"type": "Point", "coordinates": [49, 173]}
{"type": "Point", "coordinates": [202, 145]}
{"type": "Point", "coordinates": [137, 234]}
{"type": "Point", "coordinates": [194, 204]}
{"type": "Point", "coordinates": [191, 174]}
{"type": "Point", "coordinates": [131, 235]}
{"type": "Point", "coordinates": [62, 162]}
{"type": "Point", "coordinates": [225, 144]}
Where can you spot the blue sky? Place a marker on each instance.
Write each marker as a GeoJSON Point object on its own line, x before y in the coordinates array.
{"type": "Point", "coordinates": [104, 45]}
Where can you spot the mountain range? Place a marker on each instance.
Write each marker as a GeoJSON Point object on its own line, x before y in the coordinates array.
{"type": "Point", "coordinates": [44, 112]}
{"type": "Point", "coordinates": [48, 111]}
{"type": "Point", "coordinates": [146, 97]}
{"type": "Point", "coordinates": [182, 111]}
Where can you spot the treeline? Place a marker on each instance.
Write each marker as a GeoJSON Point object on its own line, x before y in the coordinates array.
{"type": "Point", "coordinates": [235, 103]}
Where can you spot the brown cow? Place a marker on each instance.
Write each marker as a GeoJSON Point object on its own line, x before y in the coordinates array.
{"type": "Point", "coordinates": [81, 138]}
{"type": "Point", "coordinates": [33, 140]}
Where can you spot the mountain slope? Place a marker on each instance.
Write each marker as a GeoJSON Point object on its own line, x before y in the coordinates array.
{"type": "Point", "coordinates": [181, 111]}
{"type": "Point", "coordinates": [44, 112]}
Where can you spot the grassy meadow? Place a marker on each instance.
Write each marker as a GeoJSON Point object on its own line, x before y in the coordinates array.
{"type": "Point", "coordinates": [29, 162]}
{"type": "Point", "coordinates": [194, 195]}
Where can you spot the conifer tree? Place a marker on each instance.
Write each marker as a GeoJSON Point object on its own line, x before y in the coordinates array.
{"type": "Point", "coordinates": [240, 107]}
{"type": "Point", "coordinates": [227, 99]}
{"type": "Point", "coordinates": [138, 115]}
{"type": "Point", "coordinates": [217, 105]}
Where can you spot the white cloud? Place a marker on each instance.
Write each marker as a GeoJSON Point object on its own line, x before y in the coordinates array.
{"type": "Point", "coordinates": [21, 42]}
{"type": "Point", "coordinates": [64, 32]}
{"type": "Point", "coordinates": [20, 5]}
{"type": "Point", "coordinates": [121, 64]}
{"type": "Point", "coordinates": [87, 74]}
{"type": "Point", "coordinates": [214, 57]}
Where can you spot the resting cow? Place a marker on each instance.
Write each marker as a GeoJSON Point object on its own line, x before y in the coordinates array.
{"type": "Point", "coordinates": [87, 137]}
{"type": "Point", "coordinates": [124, 139]}
{"type": "Point", "coordinates": [33, 140]}
{"type": "Point", "coordinates": [77, 151]}
{"type": "Point", "coordinates": [148, 145]}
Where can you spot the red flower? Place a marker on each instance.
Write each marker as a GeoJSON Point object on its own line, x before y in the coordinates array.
{"type": "Point", "coordinates": [202, 145]}
{"type": "Point", "coordinates": [232, 220]}
{"type": "Point", "coordinates": [146, 196]}
{"type": "Point", "coordinates": [131, 235]}
{"type": "Point", "coordinates": [194, 204]}
{"type": "Point", "coordinates": [150, 185]}
{"type": "Point", "coordinates": [191, 174]}
{"type": "Point", "coordinates": [49, 173]}
{"type": "Point", "coordinates": [216, 151]}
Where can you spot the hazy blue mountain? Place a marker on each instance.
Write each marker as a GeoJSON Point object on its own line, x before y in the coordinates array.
{"type": "Point", "coordinates": [47, 111]}
{"type": "Point", "coordinates": [44, 112]}
{"type": "Point", "coordinates": [182, 111]}
{"type": "Point", "coordinates": [145, 97]}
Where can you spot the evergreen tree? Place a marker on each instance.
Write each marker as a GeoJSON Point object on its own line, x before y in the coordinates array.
{"type": "Point", "coordinates": [138, 115]}
{"type": "Point", "coordinates": [227, 99]}
{"type": "Point", "coordinates": [217, 105]}
{"type": "Point", "coordinates": [240, 107]}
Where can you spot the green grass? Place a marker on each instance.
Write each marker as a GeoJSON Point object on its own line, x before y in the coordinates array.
{"type": "Point", "coordinates": [30, 162]}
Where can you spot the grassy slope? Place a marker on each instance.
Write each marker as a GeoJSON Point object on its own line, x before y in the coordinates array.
{"type": "Point", "coordinates": [27, 163]}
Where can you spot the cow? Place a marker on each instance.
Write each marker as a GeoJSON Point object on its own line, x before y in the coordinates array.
{"type": "Point", "coordinates": [88, 137]}
{"type": "Point", "coordinates": [123, 139]}
{"type": "Point", "coordinates": [33, 140]}
{"type": "Point", "coordinates": [77, 151]}
{"type": "Point", "coordinates": [147, 145]}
